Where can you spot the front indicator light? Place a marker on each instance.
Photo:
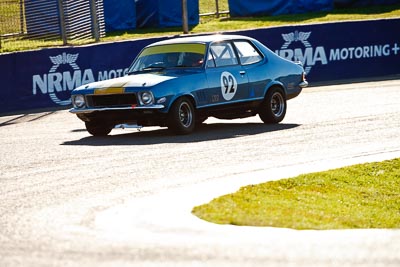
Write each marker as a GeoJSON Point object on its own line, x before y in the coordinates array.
{"type": "Point", "coordinates": [161, 100]}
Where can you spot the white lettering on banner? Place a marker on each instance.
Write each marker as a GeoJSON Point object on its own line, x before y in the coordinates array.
{"type": "Point", "coordinates": [56, 82]}
{"type": "Point", "coordinates": [40, 82]}
{"type": "Point", "coordinates": [71, 82]}
{"type": "Point", "coordinates": [396, 49]}
{"type": "Point", "coordinates": [310, 56]}
{"type": "Point", "coordinates": [360, 52]}
{"type": "Point", "coordinates": [105, 75]}
{"type": "Point", "coordinates": [59, 82]}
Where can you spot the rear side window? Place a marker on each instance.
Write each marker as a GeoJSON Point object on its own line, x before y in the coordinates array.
{"type": "Point", "coordinates": [248, 54]}
{"type": "Point", "coordinates": [222, 54]}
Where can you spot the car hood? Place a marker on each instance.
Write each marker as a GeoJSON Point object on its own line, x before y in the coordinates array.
{"type": "Point", "coordinates": [137, 80]}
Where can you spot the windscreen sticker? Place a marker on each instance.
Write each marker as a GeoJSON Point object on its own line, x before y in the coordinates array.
{"type": "Point", "coordinates": [228, 85]}
{"type": "Point", "coordinates": [174, 48]}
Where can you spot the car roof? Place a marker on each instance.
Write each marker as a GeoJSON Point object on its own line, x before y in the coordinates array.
{"type": "Point", "coordinates": [201, 39]}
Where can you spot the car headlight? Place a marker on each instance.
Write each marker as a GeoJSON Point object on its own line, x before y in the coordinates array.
{"type": "Point", "coordinates": [78, 101]}
{"type": "Point", "coordinates": [146, 98]}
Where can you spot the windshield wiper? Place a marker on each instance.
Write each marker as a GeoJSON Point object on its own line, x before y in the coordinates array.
{"type": "Point", "coordinates": [147, 69]}
{"type": "Point", "coordinates": [153, 68]}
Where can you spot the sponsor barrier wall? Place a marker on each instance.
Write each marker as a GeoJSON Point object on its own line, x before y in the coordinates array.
{"type": "Point", "coordinates": [333, 51]}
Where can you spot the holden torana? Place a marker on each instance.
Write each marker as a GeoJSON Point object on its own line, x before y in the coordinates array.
{"type": "Point", "coordinates": [180, 82]}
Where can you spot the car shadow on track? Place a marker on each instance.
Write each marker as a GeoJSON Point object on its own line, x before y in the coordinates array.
{"type": "Point", "coordinates": [25, 118]}
{"type": "Point", "coordinates": [203, 133]}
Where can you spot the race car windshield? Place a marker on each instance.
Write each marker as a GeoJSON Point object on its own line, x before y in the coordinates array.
{"type": "Point", "coordinates": [169, 56]}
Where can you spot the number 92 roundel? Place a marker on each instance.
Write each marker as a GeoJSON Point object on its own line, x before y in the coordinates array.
{"type": "Point", "coordinates": [228, 85]}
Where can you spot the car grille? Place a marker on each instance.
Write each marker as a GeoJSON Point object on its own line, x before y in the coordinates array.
{"type": "Point", "coordinates": [99, 101]}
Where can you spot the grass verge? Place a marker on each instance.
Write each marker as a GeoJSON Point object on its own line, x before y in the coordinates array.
{"type": "Point", "coordinates": [359, 196]}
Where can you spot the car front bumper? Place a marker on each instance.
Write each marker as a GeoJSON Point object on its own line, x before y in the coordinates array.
{"type": "Point", "coordinates": [91, 110]}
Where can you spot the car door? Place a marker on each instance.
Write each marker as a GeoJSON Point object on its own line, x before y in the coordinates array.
{"type": "Point", "coordinates": [227, 80]}
{"type": "Point", "coordinates": [252, 62]}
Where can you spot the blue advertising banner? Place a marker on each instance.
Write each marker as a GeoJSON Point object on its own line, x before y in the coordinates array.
{"type": "Point", "coordinates": [358, 3]}
{"type": "Point", "coordinates": [162, 13]}
{"type": "Point", "coordinates": [338, 51]}
{"type": "Point", "coordinates": [240, 8]}
{"type": "Point", "coordinates": [119, 15]}
{"type": "Point", "coordinates": [41, 79]}
{"type": "Point", "coordinates": [329, 52]}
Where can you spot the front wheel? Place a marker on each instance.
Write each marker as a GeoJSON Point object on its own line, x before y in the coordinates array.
{"type": "Point", "coordinates": [181, 117]}
{"type": "Point", "coordinates": [98, 128]}
{"type": "Point", "coordinates": [273, 108]}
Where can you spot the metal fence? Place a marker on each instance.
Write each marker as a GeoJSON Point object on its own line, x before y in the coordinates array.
{"type": "Point", "coordinates": [27, 24]}
{"type": "Point", "coordinates": [34, 23]}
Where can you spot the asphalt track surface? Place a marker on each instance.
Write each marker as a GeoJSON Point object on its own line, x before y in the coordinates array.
{"type": "Point", "coordinates": [69, 199]}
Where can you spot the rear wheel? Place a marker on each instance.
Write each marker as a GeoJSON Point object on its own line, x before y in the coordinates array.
{"type": "Point", "coordinates": [98, 128]}
{"type": "Point", "coordinates": [181, 117]}
{"type": "Point", "coordinates": [273, 108]}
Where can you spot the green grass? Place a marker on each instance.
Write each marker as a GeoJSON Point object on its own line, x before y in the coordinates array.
{"type": "Point", "coordinates": [9, 16]}
{"type": "Point", "coordinates": [210, 24]}
{"type": "Point", "coordinates": [359, 196]}
{"type": "Point", "coordinates": [209, 6]}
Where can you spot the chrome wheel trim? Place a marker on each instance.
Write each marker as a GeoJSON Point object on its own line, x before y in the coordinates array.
{"type": "Point", "coordinates": [277, 104]}
{"type": "Point", "coordinates": [185, 115]}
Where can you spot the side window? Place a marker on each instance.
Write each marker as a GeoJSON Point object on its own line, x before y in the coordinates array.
{"type": "Point", "coordinates": [222, 54]}
{"type": "Point", "coordinates": [247, 53]}
{"type": "Point", "coordinates": [210, 60]}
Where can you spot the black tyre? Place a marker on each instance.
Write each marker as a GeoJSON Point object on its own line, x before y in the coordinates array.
{"type": "Point", "coordinates": [273, 108]}
{"type": "Point", "coordinates": [181, 117]}
{"type": "Point", "coordinates": [98, 128]}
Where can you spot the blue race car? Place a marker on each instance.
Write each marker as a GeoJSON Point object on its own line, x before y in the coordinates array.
{"type": "Point", "coordinates": [179, 83]}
